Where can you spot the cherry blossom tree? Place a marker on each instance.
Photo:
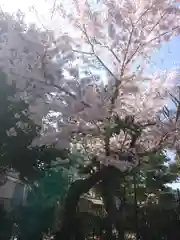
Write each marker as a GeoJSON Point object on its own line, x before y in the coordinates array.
{"type": "Point", "coordinates": [116, 37]}
{"type": "Point", "coordinates": [96, 77]}
{"type": "Point", "coordinates": [88, 105]}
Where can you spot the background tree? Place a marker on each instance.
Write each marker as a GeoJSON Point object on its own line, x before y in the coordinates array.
{"type": "Point", "coordinates": [34, 166]}
{"type": "Point", "coordinates": [153, 177]}
{"type": "Point", "coordinates": [44, 196]}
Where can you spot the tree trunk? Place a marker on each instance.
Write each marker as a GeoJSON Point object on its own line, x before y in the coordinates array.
{"type": "Point", "coordinates": [136, 207]}
{"type": "Point", "coordinates": [71, 229]}
{"type": "Point", "coordinates": [108, 194]}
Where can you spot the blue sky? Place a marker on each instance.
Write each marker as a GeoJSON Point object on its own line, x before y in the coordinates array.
{"type": "Point", "coordinates": [170, 54]}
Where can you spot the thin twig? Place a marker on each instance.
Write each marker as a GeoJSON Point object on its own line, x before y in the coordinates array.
{"type": "Point", "coordinates": [53, 10]}
{"type": "Point", "coordinates": [148, 124]}
{"type": "Point", "coordinates": [82, 52]}
{"type": "Point", "coordinates": [178, 112]}
{"type": "Point", "coordinates": [127, 50]}
{"type": "Point", "coordinates": [125, 138]}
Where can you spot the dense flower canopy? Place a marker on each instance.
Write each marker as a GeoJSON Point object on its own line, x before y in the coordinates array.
{"type": "Point", "coordinates": [95, 77]}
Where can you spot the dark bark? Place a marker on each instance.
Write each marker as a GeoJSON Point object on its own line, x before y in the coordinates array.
{"type": "Point", "coordinates": [71, 227]}
{"type": "Point", "coordinates": [136, 207]}
{"type": "Point", "coordinates": [108, 194]}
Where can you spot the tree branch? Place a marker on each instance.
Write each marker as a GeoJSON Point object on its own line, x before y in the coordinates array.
{"type": "Point", "coordinates": [118, 82]}
{"type": "Point", "coordinates": [53, 10]}
{"type": "Point", "coordinates": [53, 85]}
{"type": "Point", "coordinates": [69, 225]}
{"type": "Point", "coordinates": [97, 57]}
{"type": "Point", "coordinates": [110, 49]}
{"type": "Point", "coordinates": [127, 49]}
